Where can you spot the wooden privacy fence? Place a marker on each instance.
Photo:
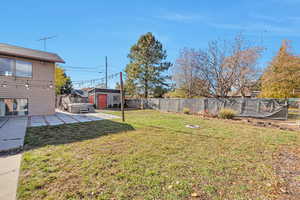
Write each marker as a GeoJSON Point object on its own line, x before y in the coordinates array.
{"type": "Point", "coordinates": [244, 107]}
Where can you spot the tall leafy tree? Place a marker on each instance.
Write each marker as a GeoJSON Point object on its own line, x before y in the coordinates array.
{"type": "Point", "coordinates": [282, 75]}
{"type": "Point", "coordinates": [147, 66]}
{"type": "Point", "coordinates": [63, 83]}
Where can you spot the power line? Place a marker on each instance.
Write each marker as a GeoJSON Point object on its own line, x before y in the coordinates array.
{"type": "Point", "coordinates": [80, 70]}
{"type": "Point", "coordinates": [76, 67]}
{"type": "Point", "coordinates": [94, 82]}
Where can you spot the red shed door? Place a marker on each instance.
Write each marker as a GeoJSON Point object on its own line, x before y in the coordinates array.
{"type": "Point", "coordinates": [102, 101]}
{"type": "Point", "coordinates": [91, 99]}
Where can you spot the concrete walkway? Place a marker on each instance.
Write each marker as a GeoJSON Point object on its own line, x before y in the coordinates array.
{"type": "Point", "coordinates": [9, 173]}
{"type": "Point", "coordinates": [12, 134]}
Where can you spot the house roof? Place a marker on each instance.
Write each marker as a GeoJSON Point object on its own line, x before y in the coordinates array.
{"type": "Point", "coordinates": [81, 93]}
{"type": "Point", "coordinates": [10, 50]}
{"type": "Point", "coordinates": [104, 90]}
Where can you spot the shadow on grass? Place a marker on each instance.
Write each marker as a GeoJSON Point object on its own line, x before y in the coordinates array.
{"type": "Point", "coordinates": [62, 134]}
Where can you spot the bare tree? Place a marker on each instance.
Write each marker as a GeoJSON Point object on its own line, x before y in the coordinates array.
{"type": "Point", "coordinates": [186, 74]}
{"type": "Point", "coordinates": [228, 66]}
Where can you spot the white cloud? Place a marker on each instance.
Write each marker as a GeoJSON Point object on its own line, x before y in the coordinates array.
{"type": "Point", "coordinates": [267, 18]}
{"type": "Point", "coordinates": [181, 17]}
{"type": "Point", "coordinates": [256, 23]}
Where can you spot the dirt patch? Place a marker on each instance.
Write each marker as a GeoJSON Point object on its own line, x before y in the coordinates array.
{"type": "Point", "coordinates": [278, 124]}
{"type": "Point", "coordinates": [287, 167]}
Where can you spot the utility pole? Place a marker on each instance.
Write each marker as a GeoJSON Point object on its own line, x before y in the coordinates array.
{"type": "Point", "coordinates": [122, 96]}
{"type": "Point", "coordinates": [44, 39]}
{"type": "Point", "coordinates": [106, 72]}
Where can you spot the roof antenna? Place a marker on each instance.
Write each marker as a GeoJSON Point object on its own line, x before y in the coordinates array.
{"type": "Point", "coordinates": [44, 39]}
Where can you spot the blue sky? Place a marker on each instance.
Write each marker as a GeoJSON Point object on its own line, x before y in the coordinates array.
{"type": "Point", "coordinates": [87, 31]}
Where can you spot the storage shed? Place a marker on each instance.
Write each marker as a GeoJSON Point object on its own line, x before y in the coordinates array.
{"type": "Point", "coordinates": [105, 98]}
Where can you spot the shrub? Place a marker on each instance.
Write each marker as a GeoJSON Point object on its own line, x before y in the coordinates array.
{"type": "Point", "coordinates": [186, 110]}
{"type": "Point", "coordinates": [206, 113]}
{"type": "Point", "coordinates": [227, 113]}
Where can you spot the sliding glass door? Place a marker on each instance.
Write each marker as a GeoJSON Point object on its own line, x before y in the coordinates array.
{"type": "Point", "coordinates": [2, 108]}
{"type": "Point", "coordinates": [13, 107]}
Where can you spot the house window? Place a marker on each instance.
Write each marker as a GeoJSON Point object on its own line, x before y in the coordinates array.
{"type": "Point", "coordinates": [12, 67]}
{"type": "Point", "coordinates": [23, 69]}
{"type": "Point", "coordinates": [6, 67]}
{"type": "Point", "coordinates": [116, 99]}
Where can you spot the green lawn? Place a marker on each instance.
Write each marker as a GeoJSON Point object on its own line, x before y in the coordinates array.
{"type": "Point", "coordinates": [152, 156]}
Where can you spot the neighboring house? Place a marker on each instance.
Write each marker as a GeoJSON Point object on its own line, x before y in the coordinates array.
{"type": "Point", "coordinates": [80, 96]}
{"type": "Point", "coordinates": [248, 93]}
{"type": "Point", "coordinates": [76, 102]}
{"type": "Point", "coordinates": [27, 79]}
{"type": "Point", "coordinates": [105, 98]}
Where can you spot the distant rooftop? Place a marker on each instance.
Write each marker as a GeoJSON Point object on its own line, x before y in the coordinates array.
{"type": "Point", "coordinates": [10, 50]}
{"type": "Point", "coordinates": [104, 90]}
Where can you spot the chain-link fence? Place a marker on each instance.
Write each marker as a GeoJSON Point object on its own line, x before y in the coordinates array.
{"type": "Point", "coordinates": [244, 107]}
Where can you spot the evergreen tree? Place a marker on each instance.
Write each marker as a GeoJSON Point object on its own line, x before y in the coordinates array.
{"type": "Point", "coordinates": [147, 66]}
{"type": "Point", "coordinates": [130, 88]}
{"type": "Point", "coordinates": [282, 75]}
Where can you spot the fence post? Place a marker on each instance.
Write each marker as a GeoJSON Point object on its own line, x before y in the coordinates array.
{"type": "Point", "coordinates": [242, 105]}
{"type": "Point", "coordinates": [205, 106]}
{"type": "Point", "coordinates": [258, 107]}
{"type": "Point", "coordinates": [158, 104]}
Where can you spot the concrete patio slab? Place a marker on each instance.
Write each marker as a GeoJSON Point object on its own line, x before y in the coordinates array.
{"type": "Point", "coordinates": [81, 118]}
{"type": "Point", "coordinates": [37, 121]}
{"type": "Point", "coordinates": [66, 118]}
{"type": "Point", "coordinates": [94, 118]}
{"type": "Point", "coordinates": [103, 115]}
{"type": "Point", "coordinates": [3, 120]}
{"type": "Point", "coordinates": [12, 133]}
{"type": "Point", "coordinates": [9, 173]}
{"type": "Point", "coordinates": [53, 120]}
{"type": "Point", "coordinates": [61, 117]}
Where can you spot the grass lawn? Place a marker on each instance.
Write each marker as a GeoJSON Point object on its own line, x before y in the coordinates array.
{"type": "Point", "coordinates": [153, 156]}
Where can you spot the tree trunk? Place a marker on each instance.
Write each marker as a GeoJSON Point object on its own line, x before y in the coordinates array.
{"type": "Point", "coordinates": [146, 89]}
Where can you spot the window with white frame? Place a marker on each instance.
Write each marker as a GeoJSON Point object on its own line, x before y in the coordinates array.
{"type": "Point", "coordinates": [12, 67]}
{"type": "Point", "coordinates": [23, 69]}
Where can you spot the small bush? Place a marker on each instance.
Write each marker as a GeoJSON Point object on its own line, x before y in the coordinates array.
{"type": "Point", "coordinates": [227, 113]}
{"type": "Point", "coordinates": [186, 111]}
{"type": "Point", "coordinates": [206, 113]}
